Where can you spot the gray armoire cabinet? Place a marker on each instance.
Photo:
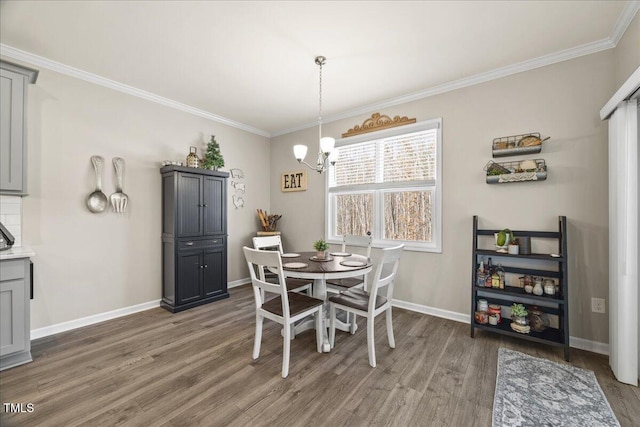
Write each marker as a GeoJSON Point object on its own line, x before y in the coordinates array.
{"type": "Point", "coordinates": [14, 80]}
{"type": "Point", "coordinates": [194, 237]}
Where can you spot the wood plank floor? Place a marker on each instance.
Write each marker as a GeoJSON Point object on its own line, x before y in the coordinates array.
{"type": "Point", "coordinates": [195, 368]}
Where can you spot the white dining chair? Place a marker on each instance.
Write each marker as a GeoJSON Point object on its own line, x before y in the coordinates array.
{"type": "Point", "coordinates": [360, 245]}
{"type": "Point", "coordinates": [370, 304]}
{"type": "Point", "coordinates": [275, 243]}
{"type": "Point", "coordinates": [285, 309]}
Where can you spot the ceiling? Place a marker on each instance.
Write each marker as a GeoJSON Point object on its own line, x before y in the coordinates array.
{"type": "Point", "coordinates": [251, 64]}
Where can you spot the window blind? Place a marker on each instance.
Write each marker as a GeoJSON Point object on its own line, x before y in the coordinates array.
{"type": "Point", "coordinates": [403, 158]}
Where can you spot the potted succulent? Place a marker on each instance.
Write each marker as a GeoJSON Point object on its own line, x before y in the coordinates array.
{"type": "Point", "coordinates": [514, 246]}
{"type": "Point", "coordinates": [519, 314]}
{"type": "Point", "coordinates": [321, 248]}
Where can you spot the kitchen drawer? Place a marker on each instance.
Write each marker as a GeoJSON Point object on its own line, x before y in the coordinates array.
{"type": "Point", "coordinates": [188, 244]}
{"type": "Point", "coordinates": [197, 244]}
{"type": "Point", "coordinates": [12, 269]}
{"type": "Point", "coordinates": [218, 241]}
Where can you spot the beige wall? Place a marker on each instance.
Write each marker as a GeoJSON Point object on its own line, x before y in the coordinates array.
{"type": "Point", "coordinates": [86, 263]}
{"type": "Point", "coordinates": [561, 101]}
{"type": "Point", "coordinates": [627, 52]}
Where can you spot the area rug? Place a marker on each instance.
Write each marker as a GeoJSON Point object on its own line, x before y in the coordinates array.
{"type": "Point", "coordinates": [538, 392]}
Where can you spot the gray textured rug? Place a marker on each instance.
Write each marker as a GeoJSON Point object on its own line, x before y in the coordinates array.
{"type": "Point", "coordinates": [538, 392]}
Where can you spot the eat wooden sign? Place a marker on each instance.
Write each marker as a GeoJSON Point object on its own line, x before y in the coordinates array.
{"type": "Point", "coordinates": [293, 181]}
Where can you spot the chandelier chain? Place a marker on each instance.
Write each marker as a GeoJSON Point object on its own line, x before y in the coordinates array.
{"type": "Point", "coordinates": [320, 103]}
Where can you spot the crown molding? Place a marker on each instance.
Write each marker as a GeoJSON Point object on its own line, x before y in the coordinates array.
{"type": "Point", "coordinates": [624, 20]}
{"type": "Point", "coordinates": [531, 64]}
{"type": "Point", "coordinates": [49, 64]}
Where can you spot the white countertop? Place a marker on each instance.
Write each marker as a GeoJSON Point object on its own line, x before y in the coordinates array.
{"type": "Point", "coordinates": [19, 252]}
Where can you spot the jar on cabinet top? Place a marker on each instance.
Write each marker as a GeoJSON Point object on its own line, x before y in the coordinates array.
{"type": "Point", "coordinates": [192, 159]}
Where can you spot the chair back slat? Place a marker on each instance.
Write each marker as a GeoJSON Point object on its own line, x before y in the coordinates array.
{"type": "Point", "coordinates": [262, 242]}
{"type": "Point", "coordinates": [387, 264]}
{"type": "Point", "coordinates": [266, 259]}
{"type": "Point", "coordinates": [351, 241]}
{"type": "Point", "coordinates": [270, 243]}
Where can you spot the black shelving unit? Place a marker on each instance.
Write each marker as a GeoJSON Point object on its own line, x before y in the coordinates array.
{"type": "Point", "coordinates": [555, 304]}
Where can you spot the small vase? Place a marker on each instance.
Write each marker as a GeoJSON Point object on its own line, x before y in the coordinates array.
{"type": "Point", "coordinates": [537, 288]}
{"type": "Point", "coordinates": [321, 254]}
{"type": "Point", "coordinates": [520, 320]}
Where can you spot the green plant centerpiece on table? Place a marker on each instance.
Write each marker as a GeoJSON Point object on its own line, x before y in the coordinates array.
{"type": "Point", "coordinates": [213, 157]}
{"type": "Point", "coordinates": [321, 248]}
{"type": "Point", "coordinates": [519, 314]}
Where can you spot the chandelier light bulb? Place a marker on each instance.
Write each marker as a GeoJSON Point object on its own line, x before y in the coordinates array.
{"type": "Point", "coordinates": [300, 152]}
{"type": "Point", "coordinates": [327, 144]}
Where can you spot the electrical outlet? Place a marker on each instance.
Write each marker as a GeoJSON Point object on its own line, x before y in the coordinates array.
{"type": "Point", "coordinates": [598, 305]}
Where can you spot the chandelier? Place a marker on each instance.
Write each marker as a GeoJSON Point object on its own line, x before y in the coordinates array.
{"type": "Point", "coordinates": [325, 153]}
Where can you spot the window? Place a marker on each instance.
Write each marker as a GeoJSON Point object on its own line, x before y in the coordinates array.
{"type": "Point", "coordinates": [388, 183]}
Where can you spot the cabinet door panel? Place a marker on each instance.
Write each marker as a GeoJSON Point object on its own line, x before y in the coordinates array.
{"type": "Point", "coordinates": [214, 210]}
{"type": "Point", "coordinates": [11, 131]}
{"type": "Point", "coordinates": [189, 205]}
{"type": "Point", "coordinates": [214, 271]}
{"type": "Point", "coordinates": [189, 274]}
{"type": "Point", "coordinates": [12, 316]}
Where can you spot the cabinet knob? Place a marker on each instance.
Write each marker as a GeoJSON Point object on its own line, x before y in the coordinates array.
{"type": "Point", "coordinates": [189, 244]}
{"type": "Point", "coordinates": [201, 266]}
{"type": "Point", "coordinates": [204, 206]}
{"type": "Point", "coordinates": [205, 266]}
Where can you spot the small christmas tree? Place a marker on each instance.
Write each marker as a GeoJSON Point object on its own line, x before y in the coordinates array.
{"type": "Point", "coordinates": [213, 157]}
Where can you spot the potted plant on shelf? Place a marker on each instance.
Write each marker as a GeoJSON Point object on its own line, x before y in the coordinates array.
{"type": "Point", "coordinates": [321, 248]}
{"type": "Point", "coordinates": [213, 157]}
{"type": "Point", "coordinates": [514, 246]}
{"type": "Point", "coordinates": [503, 238]}
{"type": "Point", "coordinates": [519, 314]}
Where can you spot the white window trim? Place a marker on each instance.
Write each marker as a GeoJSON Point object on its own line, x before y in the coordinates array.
{"type": "Point", "coordinates": [434, 246]}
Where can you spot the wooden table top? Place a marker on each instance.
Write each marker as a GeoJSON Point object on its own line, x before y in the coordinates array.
{"type": "Point", "coordinates": [332, 266]}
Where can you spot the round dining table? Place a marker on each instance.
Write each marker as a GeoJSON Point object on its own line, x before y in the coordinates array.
{"type": "Point", "coordinates": [338, 265]}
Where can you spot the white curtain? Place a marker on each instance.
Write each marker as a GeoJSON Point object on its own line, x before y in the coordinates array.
{"type": "Point", "coordinates": [624, 296]}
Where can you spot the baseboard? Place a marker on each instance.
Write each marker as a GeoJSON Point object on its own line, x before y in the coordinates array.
{"type": "Point", "coordinates": [90, 320]}
{"type": "Point", "coordinates": [238, 282]}
{"type": "Point", "coordinates": [575, 342]}
{"type": "Point", "coordinates": [101, 317]}
{"type": "Point", "coordinates": [438, 312]}
{"type": "Point", "coordinates": [588, 345]}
